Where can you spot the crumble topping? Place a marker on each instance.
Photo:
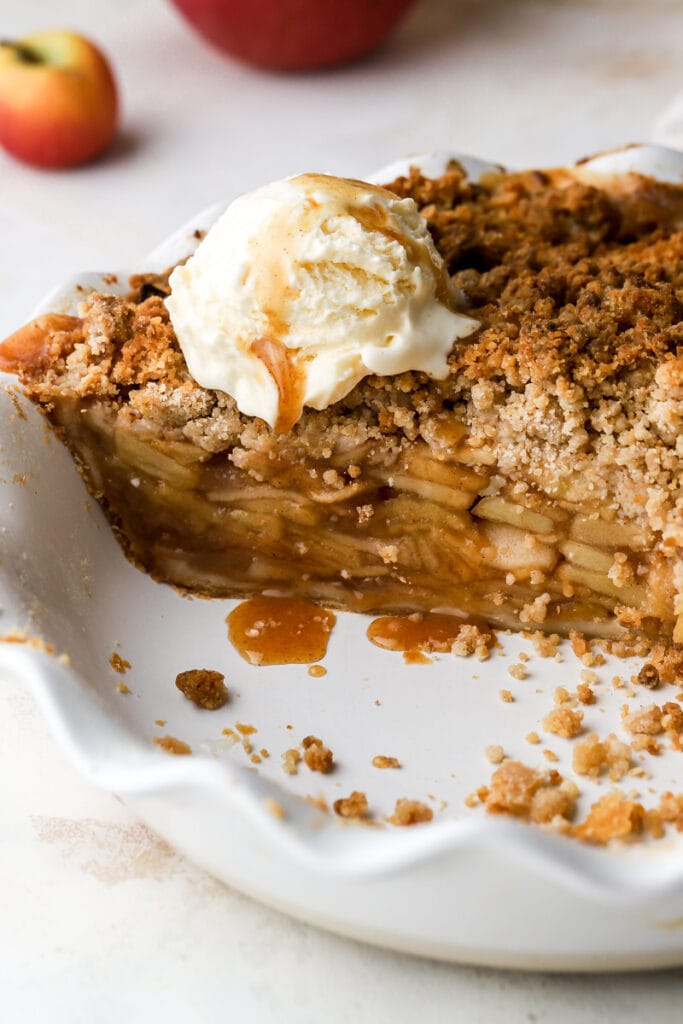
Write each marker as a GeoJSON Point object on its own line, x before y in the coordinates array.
{"type": "Point", "coordinates": [203, 687]}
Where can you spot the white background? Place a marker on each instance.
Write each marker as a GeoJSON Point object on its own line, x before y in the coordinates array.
{"type": "Point", "coordinates": [99, 920]}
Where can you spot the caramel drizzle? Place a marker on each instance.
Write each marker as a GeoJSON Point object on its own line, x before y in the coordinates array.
{"type": "Point", "coordinates": [281, 364]}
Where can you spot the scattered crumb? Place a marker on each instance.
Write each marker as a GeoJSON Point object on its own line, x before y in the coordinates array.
{"type": "Point", "coordinates": [172, 745]}
{"type": "Point", "coordinates": [550, 755]}
{"type": "Point", "coordinates": [275, 808]}
{"type": "Point", "coordinates": [563, 721]}
{"type": "Point", "coordinates": [353, 806]}
{"type": "Point", "coordinates": [585, 694]}
{"type": "Point", "coordinates": [160, 721]}
{"type": "Point", "coordinates": [471, 640]}
{"type": "Point", "coordinates": [613, 816]}
{"type": "Point", "coordinates": [203, 687]}
{"type": "Point", "coordinates": [118, 663]}
{"type": "Point", "coordinates": [495, 754]}
{"type": "Point", "coordinates": [382, 761]}
{"type": "Point", "coordinates": [317, 757]}
{"type": "Point", "coordinates": [506, 696]}
{"type": "Point", "coordinates": [122, 688]}
{"type": "Point", "coordinates": [533, 737]}
{"type": "Point", "coordinates": [591, 756]}
{"type": "Point", "coordinates": [646, 719]}
{"type": "Point", "coordinates": [517, 671]}
{"type": "Point", "coordinates": [290, 761]}
{"type": "Point", "coordinates": [524, 792]}
{"type": "Point", "coordinates": [317, 671]}
{"type": "Point", "coordinates": [245, 730]}
{"type": "Point", "coordinates": [545, 644]}
{"type": "Point", "coordinates": [410, 812]}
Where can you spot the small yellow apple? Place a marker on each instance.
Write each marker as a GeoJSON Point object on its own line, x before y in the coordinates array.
{"type": "Point", "coordinates": [58, 100]}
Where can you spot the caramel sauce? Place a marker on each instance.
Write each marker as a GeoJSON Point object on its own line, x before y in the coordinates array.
{"type": "Point", "coordinates": [280, 630]}
{"type": "Point", "coordinates": [27, 348]}
{"type": "Point", "coordinates": [423, 631]}
{"type": "Point", "coordinates": [281, 364]}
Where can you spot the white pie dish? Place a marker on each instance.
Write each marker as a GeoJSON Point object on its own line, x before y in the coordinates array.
{"type": "Point", "coordinates": [467, 887]}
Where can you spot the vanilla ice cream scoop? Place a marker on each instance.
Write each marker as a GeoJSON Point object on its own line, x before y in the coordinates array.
{"type": "Point", "coordinates": [304, 287]}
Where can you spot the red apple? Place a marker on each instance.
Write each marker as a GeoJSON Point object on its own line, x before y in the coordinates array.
{"type": "Point", "coordinates": [58, 103]}
{"type": "Point", "coordinates": [288, 35]}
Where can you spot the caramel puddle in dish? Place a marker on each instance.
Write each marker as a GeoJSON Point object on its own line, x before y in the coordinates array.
{"type": "Point", "coordinates": [423, 631]}
{"type": "Point", "coordinates": [280, 630]}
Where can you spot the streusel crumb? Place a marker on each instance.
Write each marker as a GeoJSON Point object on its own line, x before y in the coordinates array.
{"type": "Point", "coordinates": [353, 806]}
{"type": "Point", "coordinates": [382, 761]}
{"type": "Point", "coordinates": [613, 816]}
{"type": "Point", "coordinates": [563, 721]}
{"type": "Point", "coordinates": [172, 745]}
{"type": "Point", "coordinates": [524, 792]}
{"type": "Point", "coordinates": [591, 756]}
{"type": "Point", "coordinates": [204, 687]}
{"type": "Point", "coordinates": [410, 812]}
{"type": "Point", "coordinates": [317, 756]}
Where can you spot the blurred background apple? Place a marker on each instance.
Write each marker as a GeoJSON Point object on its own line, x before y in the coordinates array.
{"type": "Point", "coordinates": [58, 99]}
{"type": "Point", "coordinates": [290, 35]}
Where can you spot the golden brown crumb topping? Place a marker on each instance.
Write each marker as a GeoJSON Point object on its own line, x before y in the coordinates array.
{"type": "Point", "coordinates": [203, 687]}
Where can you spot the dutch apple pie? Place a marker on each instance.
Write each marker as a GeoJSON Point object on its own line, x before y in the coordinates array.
{"type": "Point", "coordinates": [538, 485]}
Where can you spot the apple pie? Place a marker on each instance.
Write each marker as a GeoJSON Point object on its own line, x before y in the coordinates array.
{"type": "Point", "coordinates": [537, 486]}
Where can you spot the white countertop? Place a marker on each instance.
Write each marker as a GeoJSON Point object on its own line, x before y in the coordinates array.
{"type": "Point", "coordinates": [99, 920]}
